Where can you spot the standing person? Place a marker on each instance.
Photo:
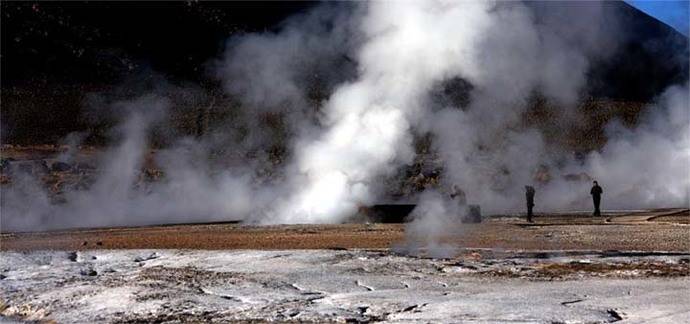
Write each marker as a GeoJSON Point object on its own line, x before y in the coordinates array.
{"type": "Point", "coordinates": [596, 197]}
{"type": "Point", "coordinates": [458, 194]}
{"type": "Point", "coordinates": [529, 195]}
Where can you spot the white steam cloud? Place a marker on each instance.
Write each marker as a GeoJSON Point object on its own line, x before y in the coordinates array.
{"type": "Point", "coordinates": [353, 85]}
{"type": "Point", "coordinates": [367, 122]}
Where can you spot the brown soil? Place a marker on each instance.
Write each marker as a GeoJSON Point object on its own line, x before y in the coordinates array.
{"type": "Point", "coordinates": [678, 218]}
{"type": "Point", "coordinates": [620, 269]}
{"type": "Point", "coordinates": [547, 233]}
{"type": "Point", "coordinates": [571, 270]}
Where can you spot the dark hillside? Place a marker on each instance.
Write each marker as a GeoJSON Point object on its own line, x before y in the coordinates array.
{"type": "Point", "coordinates": [54, 54]}
{"type": "Point", "coordinates": [652, 57]}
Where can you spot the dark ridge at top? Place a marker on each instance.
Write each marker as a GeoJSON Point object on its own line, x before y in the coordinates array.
{"type": "Point", "coordinates": [652, 56]}
{"type": "Point", "coordinates": [89, 44]}
{"type": "Point", "coordinates": [55, 53]}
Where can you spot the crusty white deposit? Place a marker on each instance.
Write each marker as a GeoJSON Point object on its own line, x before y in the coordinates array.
{"type": "Point", "coordinates": [330, 285]}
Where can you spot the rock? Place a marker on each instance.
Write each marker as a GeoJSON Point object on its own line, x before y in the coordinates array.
{"type": "Point", "coordinates": [614, 315]}
{"type": "Point", "coordinates": [89, 272]}
{"type": "Point", "coordinates": [34, 167]}
{"type": "Point", "coordinates": [146, 258]}
{"type": "Point", "coordinates": [5, 164]}
{"type": "Point", "coordinates": [60, 167]}
{"type": "Point", "coordinates": [72, 256]}
{"type": "Point", "coordinates": [473, 215]}
{"type": "Point", "coordinates": [466, 266]}
{"type": "Point", "coordinates": [582, 176]}
{"type": "Point", "coordinates": [82, 166]}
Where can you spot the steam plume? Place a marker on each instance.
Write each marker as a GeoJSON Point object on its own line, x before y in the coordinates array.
{"type": "Point", "coordinates": [353, 84]}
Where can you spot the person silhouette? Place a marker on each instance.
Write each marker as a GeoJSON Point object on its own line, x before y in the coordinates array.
{"type": "Point", "coordinates": [596, 193]}
{"type": "Point", "coordinates": [529, 196]}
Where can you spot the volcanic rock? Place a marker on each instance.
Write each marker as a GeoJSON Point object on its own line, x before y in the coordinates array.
{"type": "Point", "coordinates": [59, 166]}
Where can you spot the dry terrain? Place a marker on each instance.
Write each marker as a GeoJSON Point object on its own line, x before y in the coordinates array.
{"type": "Point", "coordinates": [631, 266]}
{"type": "Point", "coordinates": [565, 268]}
{"type": "Point", "coordinates": [658, 230]}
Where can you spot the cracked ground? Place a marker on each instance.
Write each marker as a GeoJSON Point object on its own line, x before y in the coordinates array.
{"type": "Point", "coordinates": [343, 280]}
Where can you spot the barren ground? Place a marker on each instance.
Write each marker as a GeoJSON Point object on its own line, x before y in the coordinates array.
{"type": "Point", "coordinates": [477, 286]}
{"type": "Point", "coordinates": [564, 268]}
{"type": "Point", "coordinates": [658, 230]}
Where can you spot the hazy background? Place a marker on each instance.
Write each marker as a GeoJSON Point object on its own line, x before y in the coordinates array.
{"type": "Point", "coordinates": [312, 111]}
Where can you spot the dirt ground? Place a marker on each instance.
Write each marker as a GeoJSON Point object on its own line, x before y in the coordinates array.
{"type": "Point", "coordinates": [564, 268]}
{"type": "Point", "coordinates": [658, 230]}
{"type": "Point", "coordinates": [654, 230]}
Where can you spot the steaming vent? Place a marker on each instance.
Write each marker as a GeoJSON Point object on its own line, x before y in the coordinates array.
{"type": "Point", "coordinates": [307, 122]}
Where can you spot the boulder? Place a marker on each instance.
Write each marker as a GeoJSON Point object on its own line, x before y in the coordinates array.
{"type": "Point", "coordinates": [59, 166]}
{"type": "Point", "coordinates": [473, 215]}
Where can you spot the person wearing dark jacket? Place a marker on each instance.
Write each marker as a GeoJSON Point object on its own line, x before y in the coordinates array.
{"type": "Point", "coordinates": [596, 198]}
{"type": "Point", "coordinates": [458, 194]}
{"type": "Point", "coordinates": [529, 195]}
